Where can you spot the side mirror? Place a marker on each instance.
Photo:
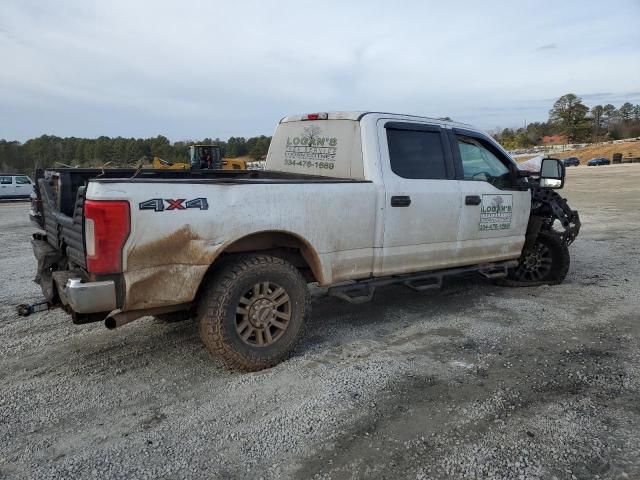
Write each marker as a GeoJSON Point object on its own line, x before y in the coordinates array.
{"type": "Point", "coordinates": [552, 173]}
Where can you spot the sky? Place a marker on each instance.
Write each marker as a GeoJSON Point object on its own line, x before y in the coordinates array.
{"type": "Point", "coordinates": [192, 69]}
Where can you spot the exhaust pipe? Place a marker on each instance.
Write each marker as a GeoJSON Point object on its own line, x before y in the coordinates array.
{"type": "Point", "coordinates": [122, 318]}
{"type": "Point", "coordinates": [118, 318]}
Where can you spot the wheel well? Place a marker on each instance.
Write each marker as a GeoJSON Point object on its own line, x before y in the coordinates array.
{"type": "Point", "coordinates": [285, 245]}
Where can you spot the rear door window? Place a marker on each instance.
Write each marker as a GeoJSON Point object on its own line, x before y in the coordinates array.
{"type": "Point", "coordinates": [417, 154]}
{"type": "Point", "coordinates": [6, 180]}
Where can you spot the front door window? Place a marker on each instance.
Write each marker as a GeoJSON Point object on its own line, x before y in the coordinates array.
{"type": "Point", "coordinates": [480, 164]}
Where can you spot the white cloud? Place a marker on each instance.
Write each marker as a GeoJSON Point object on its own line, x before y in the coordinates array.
{"type": "Point", "coordinates": [191, 69]}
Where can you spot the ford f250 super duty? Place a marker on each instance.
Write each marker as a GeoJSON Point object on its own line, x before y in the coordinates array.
{"type": "Point", "coordinates": [349, 200]}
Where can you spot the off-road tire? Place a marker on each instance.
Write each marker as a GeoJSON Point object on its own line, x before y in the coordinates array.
{"type": "Point", "coordinates": [217, 311]}
{"type": "Point", "coordinates": [560, 260]}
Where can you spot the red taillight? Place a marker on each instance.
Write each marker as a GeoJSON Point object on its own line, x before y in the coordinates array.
{"type": "Point", "coordinates": [317, 116]}
{"type": "Point", "coordinates": [106, 227]}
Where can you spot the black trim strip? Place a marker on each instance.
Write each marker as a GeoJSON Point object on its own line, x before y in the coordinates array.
{"type": "Point", "coordinates": [230, 181]}
{"type": "Point", "coordinates": [455, 155]}
{"type": "Point", "coordinates": [418, 127]}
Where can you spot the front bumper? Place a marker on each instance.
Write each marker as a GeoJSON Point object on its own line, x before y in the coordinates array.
{"type": "Point", "coordinates": [90, 297]}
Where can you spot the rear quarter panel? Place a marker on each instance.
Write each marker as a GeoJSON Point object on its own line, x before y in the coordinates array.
{"type": "Point", "coordinates": [168, 252]}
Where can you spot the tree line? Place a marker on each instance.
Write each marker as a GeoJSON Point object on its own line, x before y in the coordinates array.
{"type": "Point", "coordinates": [569, 117]}
{"type": "Point", "coordinates": [577, 123]}
{"type": "Point", "coordinates": [52, 151]}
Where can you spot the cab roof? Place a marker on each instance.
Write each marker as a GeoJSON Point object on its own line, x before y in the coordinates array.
{"type": "Point", "coordinates": [358, 115]}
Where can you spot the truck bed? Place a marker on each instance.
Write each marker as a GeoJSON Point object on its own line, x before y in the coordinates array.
{"type": "Point", "coordinates": [82, 175]}
{"type": "Point", "coordinates": [61, 192]}
{"type": "Point", "coordinates": [64, 184]}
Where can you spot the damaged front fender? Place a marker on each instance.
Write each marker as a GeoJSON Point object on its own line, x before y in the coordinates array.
{"type": "Point", "coordinates": [550, 205]}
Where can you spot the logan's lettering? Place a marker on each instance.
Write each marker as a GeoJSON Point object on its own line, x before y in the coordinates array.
{"type": "Point", "coordinates": [495, 212]}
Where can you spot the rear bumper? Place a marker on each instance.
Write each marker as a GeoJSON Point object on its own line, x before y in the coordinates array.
{"type": "Point", "coordinates": [86, 300]}
{"type": "Point", "coordinates": [90, 297]}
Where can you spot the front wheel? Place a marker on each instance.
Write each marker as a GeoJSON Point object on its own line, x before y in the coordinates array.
{"type": "Point", "coordinates": [545, 262]}
{"type": "Point", "coordinates": [252, 312]}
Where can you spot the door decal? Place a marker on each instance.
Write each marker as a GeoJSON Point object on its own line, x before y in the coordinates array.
{"type": "Point", "coordinates": [495, 212]}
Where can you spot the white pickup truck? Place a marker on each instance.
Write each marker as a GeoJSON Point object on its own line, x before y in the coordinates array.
{"type": "Point", "coordinates": [349, 200]}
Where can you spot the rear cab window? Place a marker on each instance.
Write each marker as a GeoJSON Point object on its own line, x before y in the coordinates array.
{"type": "Point", "coordinates": [330, 148]}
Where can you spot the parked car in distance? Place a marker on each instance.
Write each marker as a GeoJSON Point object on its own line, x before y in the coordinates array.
{"type": "Point", "coordinates": [598, 161]}
{"type": "Point", "coordinates": [13, 185]}
{"type": "Point", "coordinates": [571, 162]}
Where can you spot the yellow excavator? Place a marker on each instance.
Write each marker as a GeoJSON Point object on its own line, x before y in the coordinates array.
{"type": "Point", "coordinates": [201, 157]}
{"type": "Point", "coordinates": [159, 164]}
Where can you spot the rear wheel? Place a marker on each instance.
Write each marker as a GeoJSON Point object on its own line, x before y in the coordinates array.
{"type": "Point", "coordinates": [545, 262]}
{"type": "Point", "coordinates": [252, 312]}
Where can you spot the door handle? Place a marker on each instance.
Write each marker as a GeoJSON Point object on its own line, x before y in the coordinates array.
{"type": "Point", "coordinates": [400, 201]}
{"type": "Point", "coordinates": [472, 200]}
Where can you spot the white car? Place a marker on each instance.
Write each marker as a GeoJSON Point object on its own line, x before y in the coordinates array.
{"type": "Point", "coordinates": [15, 186]}
{"type": "Point", "coordinates": [349, 200]}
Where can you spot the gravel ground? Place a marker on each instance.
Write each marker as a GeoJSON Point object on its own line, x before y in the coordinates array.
{"type": "Point", "coordinates": [474, 381]}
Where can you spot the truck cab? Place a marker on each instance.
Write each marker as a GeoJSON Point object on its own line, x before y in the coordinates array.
{"type": "Point", "coordinates": [447, 195]}
{"type": "Point", "coordinates": [205, 157]}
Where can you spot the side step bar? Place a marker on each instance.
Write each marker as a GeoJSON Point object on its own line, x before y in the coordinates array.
{"type": "Point", "coordinates": [362, 291]}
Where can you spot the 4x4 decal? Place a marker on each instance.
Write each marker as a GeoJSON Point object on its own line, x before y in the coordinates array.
{"type": "Point", "coordinates": [158, 204]}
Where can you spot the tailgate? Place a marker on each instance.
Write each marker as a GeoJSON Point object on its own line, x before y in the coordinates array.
{"type": "Point", "coordinates": [64, 233]}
